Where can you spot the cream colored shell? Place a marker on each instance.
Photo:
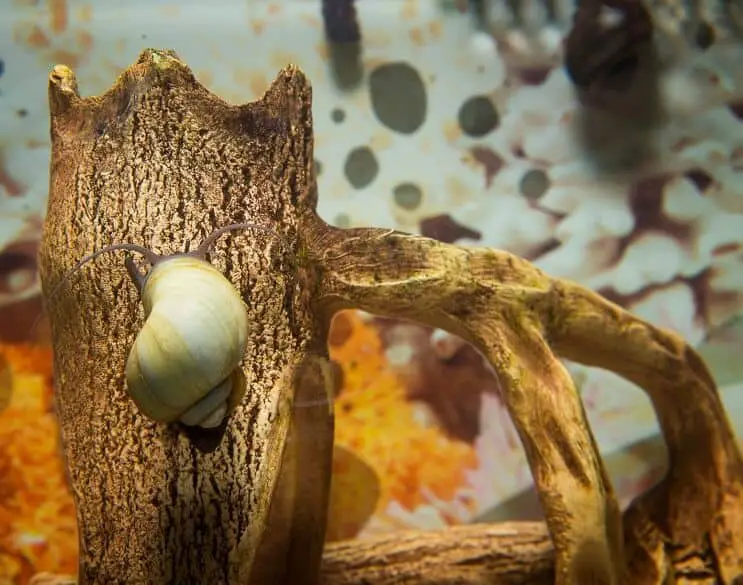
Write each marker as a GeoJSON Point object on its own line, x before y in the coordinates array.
{"type": "Point", "coordinates": [194, 337]}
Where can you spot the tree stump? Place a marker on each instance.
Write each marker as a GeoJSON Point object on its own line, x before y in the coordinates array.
{"type": "Point", "coordinates": [161, 162]}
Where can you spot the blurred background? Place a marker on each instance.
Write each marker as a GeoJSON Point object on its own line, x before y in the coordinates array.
{"type": "Point", "coordinates": [458, 120]}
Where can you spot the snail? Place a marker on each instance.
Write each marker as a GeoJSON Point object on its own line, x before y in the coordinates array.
{"type": "Point", "coordinates": [184, 363]}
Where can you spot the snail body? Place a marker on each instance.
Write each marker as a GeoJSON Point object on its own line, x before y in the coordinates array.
{"type": "Point", "coordinates": [184, 364]}
{"type": "Point", "coordinates": [195, 334]}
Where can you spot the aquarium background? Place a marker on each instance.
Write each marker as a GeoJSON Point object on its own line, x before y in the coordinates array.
{"type": "Point", "coordinates": [430, 124]}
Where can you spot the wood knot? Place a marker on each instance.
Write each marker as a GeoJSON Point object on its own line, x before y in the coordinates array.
{"type": "Point", "coordinates": [606, 43]}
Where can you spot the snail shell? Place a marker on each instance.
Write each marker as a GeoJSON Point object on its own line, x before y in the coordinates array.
{"type": "Point", "coordinates": [184, 362]}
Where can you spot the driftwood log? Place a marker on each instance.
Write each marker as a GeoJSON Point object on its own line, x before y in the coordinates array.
{"type": "Point", "coordinates": [160, 161]}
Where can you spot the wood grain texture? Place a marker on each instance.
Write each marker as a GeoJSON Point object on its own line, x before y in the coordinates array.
{"type": "Point", "coordinates": [159, 161]}
{"type": "Point", "coordinates": [504, 554]}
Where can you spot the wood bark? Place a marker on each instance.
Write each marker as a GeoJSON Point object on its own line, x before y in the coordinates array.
{"type": "Point", "coordinates": [504, 554]}
{"type": "Point", "coordinates": [518, 553]}
{"type": "Point", "coordinates": [161, 162]}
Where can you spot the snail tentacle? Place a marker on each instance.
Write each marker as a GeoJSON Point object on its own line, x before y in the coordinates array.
{"type": "Point", "coordinates": [151, 257]}
{"type": "Point", "coordinates": [138, 277]}
{"type": "Point", "coordinates": [201, 251]}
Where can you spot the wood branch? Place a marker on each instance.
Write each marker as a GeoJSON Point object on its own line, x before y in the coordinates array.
{"type": "Point", "coordinates": [161, 162]}
{"type": "Point", "coordinates": [512, 312]}
{"type": "Point", "coordinates": [517, 553]}
{"type": "Point", "coordinates": [702, 493]}
{"type": "Point", "coordinates": [484, 296]}
{"type": "Point", "coordinates": [503, 554]}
